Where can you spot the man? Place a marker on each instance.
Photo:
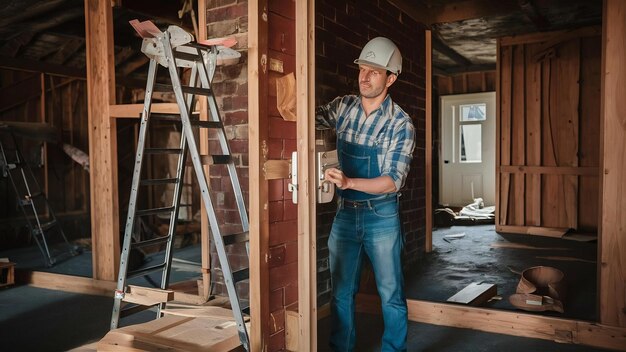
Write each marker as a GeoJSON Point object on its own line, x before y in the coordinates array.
{"type": "Point", "coordinates": [375, 142]}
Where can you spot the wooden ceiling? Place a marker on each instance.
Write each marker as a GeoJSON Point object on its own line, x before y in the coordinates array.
{"type": "Point", "coordinates": [465, 31]}
{"type": "Point", "coordinates": [48, 35]}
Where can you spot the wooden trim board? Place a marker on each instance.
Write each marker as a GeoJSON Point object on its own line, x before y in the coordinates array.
{"type": "Point", "coordinates": [66, 283]}
{"type": "Point", "coordinates": [533, 230]}
{"type": "Point", "coordinates": [506, 322]}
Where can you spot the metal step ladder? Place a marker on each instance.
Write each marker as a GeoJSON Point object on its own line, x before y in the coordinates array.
{"type": "Point", "coordinates": [175, 50]}
{"type": "Point", "coordinates": [40, 218]}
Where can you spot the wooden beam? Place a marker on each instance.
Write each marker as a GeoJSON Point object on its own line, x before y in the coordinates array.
{"type": "Point", "coordinates": [43, 23]}
{"type": "Point", "coordinates": [34, 9]}
{"type": "Point", "coordinates": [533, 230]}
{"type": "Point", "coordinates": [132, 65]}
{"type": "Point", "coordinates": [507, 322]}
{"type": "Point", "coordinates": [258, 145]}
{"type": "Point", "coordinates": [133, 111]}
{"type": "Point", "coordinates": [532, 13]}
{"type": "Point", "coordinates": [612, 223]}
{"type": "Point", "coordinates": [65, 283]}
{"type": "Point", "coordinates": [307, 240]}
{"type": "Point", "coordinates": [470, 9]}
{"type": "Point", "coordinates": [205, 235]}
{"type": "Point", "coordinates": [551, 38]}
{"type": "Point", "coordinates": [549, 170]}
{"type": "Point", "coordinates": [22, 64]}
{"type": "Point", "coordinates": [449, 71]}
{"type": "Point", "coordinates": [444, 49]}
{"type": "Point", "coordinates": [102, 139]}
{"type": "Point", "coordinates": [428, 157]}
{"type": "Point", "coordinates": [67, 51]}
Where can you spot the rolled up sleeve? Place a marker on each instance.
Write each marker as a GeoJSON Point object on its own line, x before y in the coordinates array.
{"type": "Point", "coordinates": [397, 159]}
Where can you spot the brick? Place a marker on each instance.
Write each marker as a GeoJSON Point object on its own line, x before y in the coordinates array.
{"type": "Point", "coordinates": [275, 148]}
{"type": "Point", "coordinates": [283, 276]}
{"type": "Point", "coordinates": [226, 12]}
{"type": "Point", "coordinates": [282, 34]}
{"type": "Point", "coordinates": [291, 294]}
{"type": "Point", "coordinates": [277, 342]}
{"type": "Point", "coordinates": [277, 299]}
{"type": "Point", "coordinates": [277, 321]}
{"type": "Point", "coordinates": [210, 4]}
{"type": "Point", "coordinates": [275, 190]}
{"type": "Point", "coordinates": [275, 211]}
{"type": "Point", "coordinates": [291, 211]}
{"type": "Point", "coordinates": [282, 232]}
{"type": "Point", "coordinates": [285, 8]}
{"type": "Point", "coordinates": [277, 256]}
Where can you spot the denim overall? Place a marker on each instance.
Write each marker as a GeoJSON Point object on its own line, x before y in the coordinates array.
{"type": "Point", "coordinates": [370, 224]}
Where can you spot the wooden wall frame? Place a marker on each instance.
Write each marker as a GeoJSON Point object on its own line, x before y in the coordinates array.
{"type": "Point", "coordinates": [258, 146]}
{"type": "Point", "coordinates": [307, 258]}
{"type": "Point", "coordinates": [102, 139]}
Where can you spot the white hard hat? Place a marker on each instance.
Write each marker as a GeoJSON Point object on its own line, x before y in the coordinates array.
{"type": "Point", "coordinates": [382, 53]}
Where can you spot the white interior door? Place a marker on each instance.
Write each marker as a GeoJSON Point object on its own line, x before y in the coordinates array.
{"type": "Point", "coordinates": [467, 160]}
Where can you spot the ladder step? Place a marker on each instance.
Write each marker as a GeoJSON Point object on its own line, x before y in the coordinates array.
{"type": "Point", "coordinates": [207, 124]}
{"type": "Point", "coordinates": [197, 45]}
{"type": "Point", "coordinates": [241, 274]}
{"type": "Point", "coordinates": [197, 91]}
{"type": "Point", "coordinates": [171, 117]}
{"type": "Point", "coordinates": [158, 181]}
{"type": "Point", "coordinates": [145, 271]}
{"type": "Point", "coordinates": [187, 56]}
{"type": "Point", "coordinates": [155, 211]}
{"type": "Point", "coordinates": [160, 87]}
{"type": "Point", "coordinates": [45, 227]}
{"type": "Point", "coordinates": [214, 159]}
{"type": "Point", "coordinates": [150, 242]}
{"type": "Point", "coordinates": [236, 238]}
{"type": "Point", "coordinates": [162, 151]}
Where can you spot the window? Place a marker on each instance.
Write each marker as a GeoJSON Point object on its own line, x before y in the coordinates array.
{"type": "Point", "coordinates": [470, 132]}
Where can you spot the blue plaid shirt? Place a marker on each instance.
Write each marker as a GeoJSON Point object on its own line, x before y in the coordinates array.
{"type": "Point", "coordinates": [388, 127]}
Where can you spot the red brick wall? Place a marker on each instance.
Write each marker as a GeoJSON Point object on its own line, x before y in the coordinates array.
{"type": "Point", "coordinates": [341, 30]}
{"type": "Point", "coordinates": [229, 18]}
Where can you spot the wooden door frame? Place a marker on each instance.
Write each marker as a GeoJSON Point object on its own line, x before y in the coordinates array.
{"type": "Point", "coordinates": [307, 256]}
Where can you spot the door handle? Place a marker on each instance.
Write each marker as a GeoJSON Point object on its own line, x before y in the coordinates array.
{"type": "Point", "coordinates": [293, 185]}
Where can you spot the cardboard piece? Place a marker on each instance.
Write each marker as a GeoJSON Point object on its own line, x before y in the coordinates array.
{"type": "Point", "coordinates": [475, 294]}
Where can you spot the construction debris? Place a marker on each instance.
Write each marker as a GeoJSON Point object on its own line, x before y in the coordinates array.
{"type": "Point", "coordinates": [475, 294]}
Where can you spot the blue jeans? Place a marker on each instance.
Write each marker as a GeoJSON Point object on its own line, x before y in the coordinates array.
{"type": "Point", "coordinates": [373, 228]}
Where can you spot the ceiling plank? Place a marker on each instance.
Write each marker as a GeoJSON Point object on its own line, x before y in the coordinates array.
{"type": "Point", "coordinates": [442, 48]}
{"type": "Point", "coordinates": [470, 9]}
{"type": "Point", "coordinates": [530, 10]}
{"type": "Point", "coordinates": [50, 21]}
{"type": "Point", "coordinates": [132, 65]}
{"type": "Point", "coordinates": [67, 51]}
{"type": "Point", "coordinates": [13, 46]}
{"type": "Point", "coordinates": [449, 71]}
{"type": "Point", "coordinates": [32, 11]}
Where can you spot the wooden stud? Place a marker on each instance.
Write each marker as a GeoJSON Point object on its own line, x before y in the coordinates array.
{"type": "Point", "coordinates": [307, 258]}
{"type": "Point", "coordinates": [612, 229]}
{"type": "Point", "coordinates": [102, 139]}
{"type": "Point", "coordinates": [258, 137]}
{"type": "Point", "coordinates": [429, 143]}
{"type": "Point", "coordinates": [533, 137]}
{"type": "Point", "coordinates": [498, 160]}
{"type": "Point", "coordinates": [518, 140]}
{"type": "Point", "coordinates": [505, 78]}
